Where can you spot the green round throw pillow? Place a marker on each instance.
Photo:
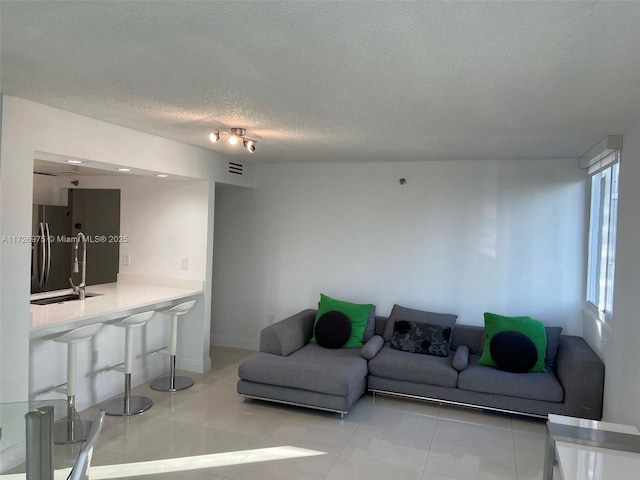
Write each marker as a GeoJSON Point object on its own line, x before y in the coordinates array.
{"type": "Point", "coordinates": [358, 315]}
{"type": "Point", "coordinates": [532, 329]}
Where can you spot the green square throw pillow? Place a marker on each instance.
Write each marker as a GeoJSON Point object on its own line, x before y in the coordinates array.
{"type": "Point", "coordinates": [358, 315]}
{"type": "Point", "coordinates": [514, 344]}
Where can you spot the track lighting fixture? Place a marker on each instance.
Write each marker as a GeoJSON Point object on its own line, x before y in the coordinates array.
{"type": "Point", "coordinates": [236, 135]}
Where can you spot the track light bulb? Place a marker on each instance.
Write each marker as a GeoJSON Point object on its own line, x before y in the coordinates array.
{"type": "Point", "coordinates": [236, 134]}
{"type": "Point", "coordinates": [250, 145]}
{"type": "Point", "coordinates": [214, 137]}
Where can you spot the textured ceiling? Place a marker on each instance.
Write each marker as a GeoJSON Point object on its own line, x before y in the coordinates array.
{"type": "Point", "coordinates": [337, 81]}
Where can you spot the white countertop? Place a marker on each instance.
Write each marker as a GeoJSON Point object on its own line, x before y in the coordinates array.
{"type": "Point", "coordinates": [583, 462]}
{"type": "Point", "coordinates": [593, 424]}
{"type": "Point", "coordinates": [113, 300]}
{"type": "Point", "coordinates": [580, 462]}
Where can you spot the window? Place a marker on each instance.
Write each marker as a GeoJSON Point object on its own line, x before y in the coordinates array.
{"type": "Point", "coordinates": [602, 235]}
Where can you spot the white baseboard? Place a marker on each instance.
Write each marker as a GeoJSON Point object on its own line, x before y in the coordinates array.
{"type": "Point", "coordinates": [115, 385]}
{"type": "Point", "coordinates": [206, 365]}
{"type": "Point", "coordinates": [195, 366]}
{"type": "Point", "coordinates": [234, 342]}
{"type": "Point", "coordinates": [110, 384]}
{"type": "Point", "coordinates": [158, 369]}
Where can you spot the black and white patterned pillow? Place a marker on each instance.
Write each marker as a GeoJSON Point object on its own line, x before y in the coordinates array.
{"type": "Point", "coordinates": [421, 338]}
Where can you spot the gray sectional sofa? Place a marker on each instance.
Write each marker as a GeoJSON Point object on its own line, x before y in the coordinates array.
{"type": "Point", "coordinates": [289, 369]}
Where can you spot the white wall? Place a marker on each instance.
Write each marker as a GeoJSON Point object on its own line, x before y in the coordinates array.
{"type": "Point", "coordinates": [43, 189]}
{"type": "Point", "coordinates": [461, 237]}
{"type": "Point", "coordinates": [29, 128]}
{"type": "Point", "coordinates": [619, 347]}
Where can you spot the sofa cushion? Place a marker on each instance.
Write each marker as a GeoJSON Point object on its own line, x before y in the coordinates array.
{"type": "Point", "coordinates": [401, 365]}
{"type": "Point", "coordinates": [403, 313]}
{"type": "Point", "coordinates": [533, 385]}
{"type": "Point", "coordinates": [359, 316]}
{"type": "Point", "coordinates": [312, 368]}
{"type": "Point", "coordinates": [534, 329]}
{"type": "Point", "coordinates": [332, 330]}
{"type": "Point", "coordinates": [425, 338]}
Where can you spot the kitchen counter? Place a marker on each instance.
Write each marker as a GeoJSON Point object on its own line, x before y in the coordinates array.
{"type": "Point", "coordinates": [112, 301]}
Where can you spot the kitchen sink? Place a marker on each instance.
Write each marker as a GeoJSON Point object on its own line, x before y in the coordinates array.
{"type": "Point", "coordinates": [67, 297]}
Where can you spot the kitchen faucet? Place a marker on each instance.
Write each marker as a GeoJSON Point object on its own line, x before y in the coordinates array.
{"type": "Point", "coordinates": [80, 289]}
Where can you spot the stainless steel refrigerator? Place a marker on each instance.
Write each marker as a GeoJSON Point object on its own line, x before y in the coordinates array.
{"type": "Point", "coordinates": [50, 253]}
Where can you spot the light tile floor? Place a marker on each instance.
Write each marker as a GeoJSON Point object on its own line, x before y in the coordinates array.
{"type": "Point", "coordinates": [208, 432]}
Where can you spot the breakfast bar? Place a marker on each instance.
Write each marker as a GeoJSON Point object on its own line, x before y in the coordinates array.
{"type": "Point", "coordinates": [104, 303]}
{"type": "Point", "coordinates": [57, 314]}
{"type": "Point", "coordinates": [99, 357]}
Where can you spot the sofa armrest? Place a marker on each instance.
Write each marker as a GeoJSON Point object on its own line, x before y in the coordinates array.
{"type": "Point", "coordinates": [288, 335]}
{"type": "Point", "coordinates": [460, 358]}
{"type": "Point", "coordinates": [581, 373]}
{"type": "Point", "coordinates": [372, 347]}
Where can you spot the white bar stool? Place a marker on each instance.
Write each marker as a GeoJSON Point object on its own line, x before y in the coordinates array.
{"type": "Point", "coordinates": [173, 383]}
{"type": "Point", "coordinates": [128, 404]}
{"type": "Point", "coordinates": [71, 429]}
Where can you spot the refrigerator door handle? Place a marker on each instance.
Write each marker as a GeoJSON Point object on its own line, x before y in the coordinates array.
{"type": "Point", "coordinates": [46, 278]}
{"type": "Point", "coordinates": [43, 257]}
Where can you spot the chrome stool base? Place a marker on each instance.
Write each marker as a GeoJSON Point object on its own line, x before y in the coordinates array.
{"type": "Point", "coordinates": [67, 431]}
{"type": "Point", "coordinates": [164, 384]}
{"type": "Point", "coordinates": [118, 406]}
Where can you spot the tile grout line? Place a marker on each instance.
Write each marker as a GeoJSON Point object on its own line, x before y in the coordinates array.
{"type": "Point", "coordinates": [515, 454]}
